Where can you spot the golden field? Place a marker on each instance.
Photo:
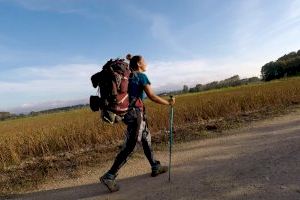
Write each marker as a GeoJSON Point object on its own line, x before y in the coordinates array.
{"type": "Point", "coordinates": [70, 131]}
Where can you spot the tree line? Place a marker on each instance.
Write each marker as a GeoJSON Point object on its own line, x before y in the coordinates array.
{"type": "Point", "coordinates": [5, 115]}
{"type": "Point", "coordinates": [285, 66]}
{"type": "Point", "coordinates": [8, 115]}
{"type": "Point", "coordinates": [229, 82]}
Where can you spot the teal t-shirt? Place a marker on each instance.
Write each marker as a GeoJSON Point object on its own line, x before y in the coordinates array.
{"type": "Point", "coordinates": [137, 82]}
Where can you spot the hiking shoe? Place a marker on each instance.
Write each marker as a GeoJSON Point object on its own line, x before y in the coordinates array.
{"type": "Point", "coordinates": [158, 169]}
{"type": "Point", "coordinates": [109, 181]}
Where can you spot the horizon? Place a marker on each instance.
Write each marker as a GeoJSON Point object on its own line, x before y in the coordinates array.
{"type": "Point", "coordinates": [49, 49]}
{"type": "Point", "coordinates": [44, 106]}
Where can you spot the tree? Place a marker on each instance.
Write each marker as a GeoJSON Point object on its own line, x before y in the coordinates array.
{"type": "Point", "coordinates": [287, 65]}
{"type": "Point", "coordinates": [185, 89]}
{"type": "Point", "coordinates": [253, 79]}
{"type": "Point", "coordinates": [288, 56]}
{"type": "Point", "coordinates": [199, 87]}
{"type": "Point", "coordinates": [266, 71]}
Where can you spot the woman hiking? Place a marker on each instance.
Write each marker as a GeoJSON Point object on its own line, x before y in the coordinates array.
{"type": "Point", "coordinates": [137, 127]}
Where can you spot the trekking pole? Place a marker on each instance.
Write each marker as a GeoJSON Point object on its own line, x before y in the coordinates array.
{"type": "Point", "coordinates": [170, 137]}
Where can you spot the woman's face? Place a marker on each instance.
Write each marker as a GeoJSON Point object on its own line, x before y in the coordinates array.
{"type": "Point", "coordinates": [142, 65]}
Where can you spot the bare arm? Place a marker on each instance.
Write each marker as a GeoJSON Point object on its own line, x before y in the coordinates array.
{"type": "Point", "coordinates": [153, 97]}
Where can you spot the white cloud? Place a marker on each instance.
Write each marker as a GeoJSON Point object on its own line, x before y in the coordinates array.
{"type": "Point", "coordinates": [248, 21]}
{"type": "Point", "coordinates": [60, 6]}
{"type": "Point", "coordinates": [266, 32]}
{"type": "Point", "coordinates": [173, 75]}
{"type": "Point", "coordinates": [32, 85]}
{"type": "Point", "coordinates": [60, 77]}
{"type": "Point", "coordinates": [294, 10]}
{"type": "Point", "coordinates": [159, 27]}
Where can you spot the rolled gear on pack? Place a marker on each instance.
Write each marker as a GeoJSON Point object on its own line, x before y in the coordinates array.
{"type": "Point", "coordinates": [112, 82]}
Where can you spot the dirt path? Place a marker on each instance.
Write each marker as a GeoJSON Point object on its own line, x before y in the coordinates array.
{"type": "Point", "coordinates": [262, 162]}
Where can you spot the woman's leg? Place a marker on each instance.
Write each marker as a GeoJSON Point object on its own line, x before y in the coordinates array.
{"type": "Point", "coordinates": [156, 167]}
{"type": "Point", "coordinates": [146, 142]}
{"type": "Point", "coordinates": [128, 147]}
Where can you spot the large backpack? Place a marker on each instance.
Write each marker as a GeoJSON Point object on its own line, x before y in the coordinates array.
{"type": "Point", "coordinates": [112, 82]}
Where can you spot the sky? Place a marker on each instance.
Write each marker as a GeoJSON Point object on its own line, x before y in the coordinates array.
{"type": "Point", "coordinates": [50, 48]}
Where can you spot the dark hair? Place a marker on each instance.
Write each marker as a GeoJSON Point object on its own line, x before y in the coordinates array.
{"type": "Point", "coordinates": [133, 61]}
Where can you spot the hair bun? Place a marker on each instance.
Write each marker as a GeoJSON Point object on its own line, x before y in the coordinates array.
{"type": "Point", "coordinates": [128, 57]}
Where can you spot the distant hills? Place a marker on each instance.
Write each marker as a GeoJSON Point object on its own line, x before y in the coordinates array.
{"type": "Point", "coordinates": [61, 109]}
{"type": "Point", "coordinates": [8, 115]}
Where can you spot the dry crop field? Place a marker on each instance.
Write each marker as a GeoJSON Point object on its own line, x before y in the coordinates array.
{"type": "Point", "coordinates": [72, 131]}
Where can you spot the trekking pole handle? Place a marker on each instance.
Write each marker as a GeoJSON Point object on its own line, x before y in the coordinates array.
{"type": "Point", "coordinates": [171, 98]}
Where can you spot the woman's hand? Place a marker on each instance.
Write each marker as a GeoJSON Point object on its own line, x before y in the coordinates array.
{"type": "Point", "coordinates": [172, 101]}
